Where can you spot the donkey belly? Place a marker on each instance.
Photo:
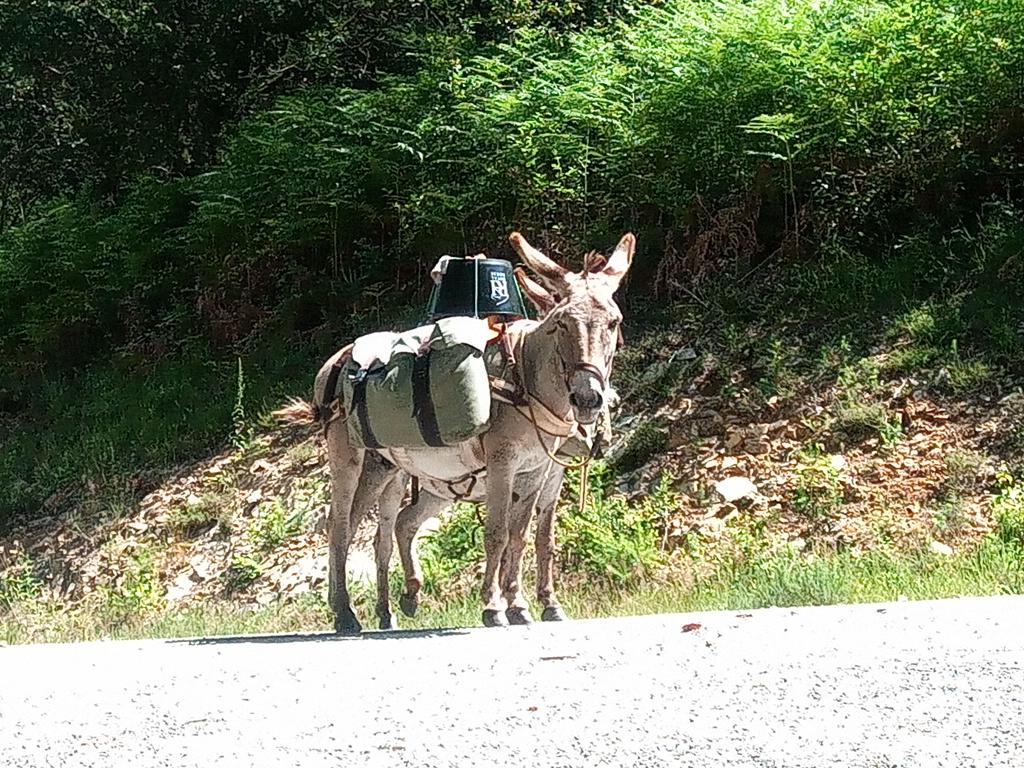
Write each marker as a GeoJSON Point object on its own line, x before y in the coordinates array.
{"type": "Point", "coordinates": [443, 464]}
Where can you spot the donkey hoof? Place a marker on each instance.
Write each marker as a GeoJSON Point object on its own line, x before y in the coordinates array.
{"type": "Point", "coordinates": [554, 613]}
{"type": "Point", "coordinates": [409, 604]}
{"type": "Point", "coordinates": [493, 618]}
{"type": "Point", "coordinates": [346, 623]}
{"type": "Point", "coordinates": [387, 622]}
{"type": "Point", "coordinates": [518, 616]}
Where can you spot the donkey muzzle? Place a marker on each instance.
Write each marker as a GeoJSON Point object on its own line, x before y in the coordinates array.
{"type": "Point", "coordinates": [586, 392]}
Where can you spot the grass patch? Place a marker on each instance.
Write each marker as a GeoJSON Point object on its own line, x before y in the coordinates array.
{"type": "Point", "coordinates": [197, 516]}
{"type": "Point", "coordinates": [134, 589]}
{"type": "Point", "coordinates": [782, 577]}
{"type": "Point", "coordinates": [612, 540]}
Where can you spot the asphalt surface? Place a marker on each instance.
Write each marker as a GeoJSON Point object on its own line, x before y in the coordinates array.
{"type": "Point", "coordinates": [905, 684]}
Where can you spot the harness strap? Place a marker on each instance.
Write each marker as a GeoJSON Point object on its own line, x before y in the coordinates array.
{"type": "Point", "coordinates": [362, 412]}
{"type": "Point", "coordinates": [423, 405]}
{"type": "Point", "coordinates": [331, 385]}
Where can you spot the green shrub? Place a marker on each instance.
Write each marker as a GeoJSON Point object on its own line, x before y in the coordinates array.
{"type": "Point", "coordinates": [647, 439]}
{"type": "Point", "coordinates": [819, 491]}
{"type": "Point", "coordinates": [453, 550]}
{"type": "Point", "coordinates": [19, 583]}
{"type": "Point", "coordinates": [243, 571]}
{"type": "Point", "coordinates": [196, 517]}
{"type": "Point", "coordinates": [135, 589]}
{"type": "Point", "coordinates": [1008, 510]}
{"type": "Point", "coordinates": [274, 526]}
{"type": "Point", "coordinates": [856, 413]}
{"type": "Point", "coordinates": [611, 539]}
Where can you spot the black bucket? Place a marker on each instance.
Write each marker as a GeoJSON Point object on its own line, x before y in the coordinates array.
{"type": "Point", "coordinates": [477, 288]}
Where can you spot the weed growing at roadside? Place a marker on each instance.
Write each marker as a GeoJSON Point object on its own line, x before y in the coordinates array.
{"type": "Point", "coordinates": [452, 551]}
{"type": "Point", "coordinates": [612, 539]}
{"type": "Point", "coordinates": [1008, 510]}
{"type": "Point", "coordinates": [647, 439]}
{"type": "Point", "coordinates": [135, 588]}
{"type": "Point", "coordinates": [242, 433]}
{"type": "Point", "coordinates": [819, 492]}
{"type": "Point", "coordinates": [274, 526]}
{"type": "Point", "coordinates": [18, 582]}
{"type": "Point", "coordinates": [243, 571]}
{"type": "Point", "coordinates": [963, 477]}
{"type": "Point", "coordinates": [198, 517]}
{"type": "Point", "coordinates": [856, 414]}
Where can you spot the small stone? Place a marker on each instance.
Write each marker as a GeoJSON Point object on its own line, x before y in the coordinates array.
{"type": "Point", "coordinates": [261, 465]}
{"type": "Point", "coordinates": [757, 446]}
{"type": "Point", "coordinates": [734, 488]}
{"type": "Point", "coordinates": [180, 588]}
{"type": "Point", "coordinates": [733, 439]}
{"type": "Point", "coordinates": [255, 497]}
{"type": "Point", "coordinates": [201, 568]}
{"type": "Point", "coordinates": [941, 549]}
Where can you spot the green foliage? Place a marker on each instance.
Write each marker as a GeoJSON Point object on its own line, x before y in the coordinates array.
{"type": "Point", "coordinates": [819, 492]}
{"type": "Point", "coordinates": [243, 571]}
{"type": "Point", "coordinates": [94, 94]}
{"type": "Point", "coordinates": [121, 417]}
{"type": "Point", "coordinates": [785, 577]}
{"type": "Point", "coordinates": [857, 414]}
{"type": "Point", "coordinates": [19, 583]}
{"type": "Point", "coordinates": [646, 440]}
{"type": "Point", "coordinates": [342, 152]}
{"type": "Point", "coordinates": [242, 432]}
{"type": "Point", "coordinates": [1008, 509]}
{"type": "Point", "coordinates": [581, 128]}
{"type": "Point", "coordinates": [611, 539]}
{"type": "Point", "coordinates": [274, 526]}
{"type": "Point", "coordinates": [452, 551]}
{"type": "Point", "coordinates": [135, 589]}
{"type": "Point", "coordinates": [197, 516]}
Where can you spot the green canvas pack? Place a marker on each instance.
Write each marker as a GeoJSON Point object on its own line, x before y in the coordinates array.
{"type": "Point", "coordinates": [421, 388]}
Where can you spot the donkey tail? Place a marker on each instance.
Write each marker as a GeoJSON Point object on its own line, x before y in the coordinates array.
{"type": "Point", "coordinates": [298, 411]}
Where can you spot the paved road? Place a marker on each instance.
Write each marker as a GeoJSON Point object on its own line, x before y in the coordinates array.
{"type": "Point", "coordinates": [906, 684]}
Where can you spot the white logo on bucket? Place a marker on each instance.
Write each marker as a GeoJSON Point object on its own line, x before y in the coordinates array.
{"type": "Point", "coordinates": [499, 287]}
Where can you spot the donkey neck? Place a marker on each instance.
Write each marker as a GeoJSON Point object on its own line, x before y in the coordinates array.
{"type": "Point", "coordinates": [542, 370]}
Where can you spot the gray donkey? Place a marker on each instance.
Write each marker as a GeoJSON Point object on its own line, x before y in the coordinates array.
{"type": "Point", "coordinates": [560, 369]}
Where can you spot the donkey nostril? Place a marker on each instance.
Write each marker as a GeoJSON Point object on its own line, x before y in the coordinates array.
{"type": "Point", "coordinates": [590, 401]}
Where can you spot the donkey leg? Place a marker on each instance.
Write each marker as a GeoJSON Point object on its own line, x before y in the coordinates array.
{"type": "Point", "coordinates": [496, 537]}
{"type": "Point", "coordinates": [406, 527]}
{"type": "Point", "coordinates": [518, 611]}
{"type": "Point", "coordinates": [346, 464]}
{"type": "Point", "coordinates": [551, 610]}
{"type": "Point", "coordinates": [387, 507]}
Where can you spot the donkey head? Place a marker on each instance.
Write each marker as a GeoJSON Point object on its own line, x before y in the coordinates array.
{"type": "Point", "coordinates": [579, 309]}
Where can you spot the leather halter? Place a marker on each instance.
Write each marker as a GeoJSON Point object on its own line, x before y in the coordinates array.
{"type": "Point", "coordinates": [586, 368]}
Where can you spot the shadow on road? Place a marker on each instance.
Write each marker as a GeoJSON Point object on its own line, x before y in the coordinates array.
{"type": "Point", "coordinates": [319, 637]}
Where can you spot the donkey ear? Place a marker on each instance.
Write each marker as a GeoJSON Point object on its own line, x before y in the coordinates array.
{"type": "Point", "coordinates": [548, 271]}
{"type": "Point", "coordinates": [536, 293]}
{"type": "Point", "coordinates": [594, 262]}
{"type": "Point", "coordinates": [621, 258]}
